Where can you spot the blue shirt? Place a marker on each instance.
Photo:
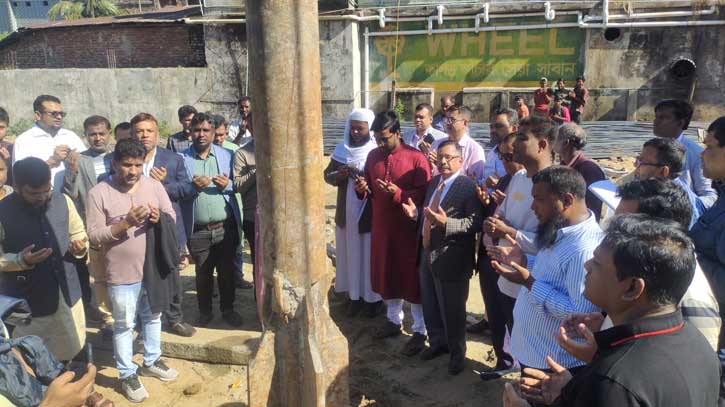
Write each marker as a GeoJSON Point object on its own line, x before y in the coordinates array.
{"type": "Point", "coordinates": [695, 202]}
{"type": "Point", "coordinates": [692, 175]}
{"type": "Point", "coordinates": [556, 293]}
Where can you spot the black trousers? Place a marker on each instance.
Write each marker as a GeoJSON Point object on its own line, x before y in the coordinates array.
{"type": "Point", "coordinates": [175, 315]}
{"type": "Point", "coordinates": [84, 279]}
{"type": "Point", "coordinates": [248, 228]}
{"type": "Point", "coordinates": [215, 250]}
{"type": "Point", "coordinates": [444, 309]}
{"type": "Point", "coordinates": [576, 117]}
{"type": "Point", "coordinates": [499, 306]}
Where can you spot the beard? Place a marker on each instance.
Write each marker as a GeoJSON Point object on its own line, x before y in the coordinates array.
{"type": "Point", "coordinates": [546, 232]}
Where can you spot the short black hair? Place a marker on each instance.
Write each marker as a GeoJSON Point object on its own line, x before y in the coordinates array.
{"type": "Point", "coordinates": [4, 117]}
{"type": "Point", "coordinates": [462, 110]}
{"type": "Point", "coordinates": [202, 117]}
{"type": "Point", "coordinates": [94, 121]}
{"type": "Point", "coordinates": [581, 77]}
{"type": "Point", "coordinates": [518, 97]}
{"type": "Point", "coordinates": [718, 129]}
{"type": "Point", "coordinates": [38, 103]}
{"type": "Point", "coordinates": [244, 99]}
{"type": "Point", "coordinates": [670, 153]}
{"type": "Point", "coordinates": [122, 126]}
{"type": "Point", "coordinates": [447, 143]}
{"type": "Point", "coordinates": [426, 106]}
{"type": "Point", "coordinates": [562, 180]}
{"type": "Point", "coordinates": [218, 121]}
{"type": "Point", "coordinates": [129, 148]}
{"type": "Point", "coordinates": [540, 127]}
{"type": "Point", "coordinates": [185, 111]}
{"type": "Point", "coordinates": [32, 172]}
{"type": "Point", "coordinates": [511, 115]}
{"type": "Point", "coordinates": [386, 120]}
{"type": "Point", "coordinates": [682, 109]}
{"type": "Point", "coordinates": [656, 250]}
{"type": "Point", "coordinates": [659, 198]}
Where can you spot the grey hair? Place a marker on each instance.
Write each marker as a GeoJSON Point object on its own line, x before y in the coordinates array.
{"type": "Point", "coordinates": [574, 134]}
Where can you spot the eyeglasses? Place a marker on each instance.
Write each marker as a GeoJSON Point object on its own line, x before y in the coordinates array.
{"type": "Point", "coordinates": [639, 163]}
{"type": "Point", "coordinates": [508, 157]}
{"type": "Point", "coordinates": [450, 120]}
{"type": "Point", "coordinates": [446, 158]}
{"type": "Point", "coordinates": [55, 114]}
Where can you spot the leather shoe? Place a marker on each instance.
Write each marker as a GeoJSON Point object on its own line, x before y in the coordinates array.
{"type": "Point", "coordinates": [455, 366]}
{"type": "Point", "coordinates": [182, 329]}
{"type": "Point", "coordinates": [432, 353]}
{"type": "Point", "coordinates": [354, 308]}
{"type": "Point", "coordinates": [481, 327]}
{"type": "Point", "coordinates": [232, 318]}
{"type": "Point", "coordinates": [244, 285]}
{"type": "Point", "coordinates": [501, 369]}
{"type": "Point", "coordinates": [387, 330]}
{"type": "Point", "coordinates": [414, 345]}
{"type": "Point", "coordinates": [373, 309]}
{"type": "Point", "coordinates": [204, 320]}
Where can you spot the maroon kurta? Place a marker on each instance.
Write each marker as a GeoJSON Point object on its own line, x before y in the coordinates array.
{"type": "Point", "coordinates": [394, 236]}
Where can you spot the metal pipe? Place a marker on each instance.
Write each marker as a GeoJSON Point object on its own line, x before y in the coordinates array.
{"type": "Point", "coordinates": [700, 23]}
{"type": "Point", "coordinates": [440, 9]}
{"type": "Point", "coordinates": [707, 12]}
{"type": "Point", "coordinates": [213, 21]}
{"type": "Point", "coordinates": [381, 17]}
{"type": "Point", "coordinates": [605, 12]}
{"type": "Point", "coordinates": [549, 13]}
{"type": "Point", "coordinates": [473, 29]}
{"type": "Point", "coordinates": [366, 69]}
{"type": "Point", "coordinates": [409, 19]}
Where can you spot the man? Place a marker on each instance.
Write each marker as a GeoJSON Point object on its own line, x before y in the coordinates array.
{"type": "Point", "coordinates": [474, 158]}
{"type": "Point", "coordinates": [423, 134]}
{"type": "Point", "coordinates": [559, 113]}
{"type": "Point", "coordinates": [5, 189]}
{"type": "Point", "coordinates": [578, 99]}
{"type": "Point", "coordinates": [449, 223]}
{"type": "Point", "coordinates": [395, 172]}
{"type": "Point", "coordinates": [439, 120]}
{"type": "Point", "coordinates": [220, 133]}
{"type": "Point", "coordinates": [211, 221]}
{"type": "Point", "coordinates": [521, 109]}
{"type": "Point", "coordinates": [239, 132]}
{"type": "Point", "coordinates": [566, 237]}
{"type": "Point", "coordinates": [47, 139]}
{"type": "Point", "coordinates": [40, 235]}
{"type": "Point", "coordinates": [637, 276]}
{"type": "Point", "coordinates": [353, 216]}
{"type": "Point", "coordinates": [182, 140]}
{"type": "Point", "coordinates": [503, 122]}
{"type": "Point", "coordinates": [121, 211]}
{"type": "Point", "coordinates": [672, 118]}
{"type": "Point", "coordinates": [6, 148]}
{"type": "Point", "coordinates": [665, 158]}
{"type": "Point", "coordinates": [122, 131]}
{"type": "Point", "coordinates": [167, 168]}
{"type": "Point", "coordinates": [514, 220]}
{"type": "Point", "coordinates": [83, 173]}
{"type": "Point", "coordinates": [542, 98]}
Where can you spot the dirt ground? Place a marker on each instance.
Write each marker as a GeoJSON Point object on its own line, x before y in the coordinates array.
{"type": "Point", "coordinates": [380, 375]}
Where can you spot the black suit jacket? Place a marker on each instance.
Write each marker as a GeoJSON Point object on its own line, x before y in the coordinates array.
{"type": "Point", "coordinates": [177, 184]}
{"type": "Point", "coordinates": [452, 248]}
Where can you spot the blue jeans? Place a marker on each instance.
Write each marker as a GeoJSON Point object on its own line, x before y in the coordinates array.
{"type": "Point", "coordinates": [128, 300]}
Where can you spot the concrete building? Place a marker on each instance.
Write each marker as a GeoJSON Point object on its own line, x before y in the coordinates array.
{"type": "Point", "coordinates": [483, 56]}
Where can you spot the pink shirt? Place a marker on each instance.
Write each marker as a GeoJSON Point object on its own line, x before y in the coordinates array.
{"type": "Point", "coordinates": [123, 257]}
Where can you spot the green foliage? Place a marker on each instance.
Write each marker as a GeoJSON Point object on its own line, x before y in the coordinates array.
{"type": "Point", "coordinates": [164, 130]}
{"type": "Point", "coordinates": [18, 127]}
{"type": "Point", "coordinates": [75, 9]}
{"type": "Point", "coordinates": [399, 109]}
{"type": "Point", "coordinates": [4, 35]}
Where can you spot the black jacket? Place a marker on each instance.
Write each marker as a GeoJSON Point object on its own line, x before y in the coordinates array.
{"type": "Point", "coordinates": [162, 259]}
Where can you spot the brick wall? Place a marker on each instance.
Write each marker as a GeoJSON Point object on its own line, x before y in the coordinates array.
{"type": "Point", "coordinates": [105, 46]}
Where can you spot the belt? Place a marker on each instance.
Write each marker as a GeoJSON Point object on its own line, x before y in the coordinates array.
{"type": "Point", "coordinates": [209, 226]}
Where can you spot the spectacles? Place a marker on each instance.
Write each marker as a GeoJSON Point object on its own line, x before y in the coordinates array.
{"type": "Point", "coordinates": [508, 157]}
{"type": "Point", "coordinates": [639, 163]}
{"type": "Point", "coordinates": [450, 120]}
{"type": "Point", "coordinates": [446, 158]}
{"type": "Point", "coordinates": [55, 114]}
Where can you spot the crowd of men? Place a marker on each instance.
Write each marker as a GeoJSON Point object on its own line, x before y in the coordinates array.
{"type": "Point", "coordinates": [587, 298]}
{"type": "Point", "coordinates": [597, 305]}
{"type": "Point", "coordinates": [99, 233]}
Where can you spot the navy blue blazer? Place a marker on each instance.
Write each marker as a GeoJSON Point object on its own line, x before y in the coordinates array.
{"type": "Point", "coordinates": [178, 185]}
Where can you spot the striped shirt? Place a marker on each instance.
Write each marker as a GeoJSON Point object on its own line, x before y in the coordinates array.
{"type": "Point", "coordinates": [556, 293]}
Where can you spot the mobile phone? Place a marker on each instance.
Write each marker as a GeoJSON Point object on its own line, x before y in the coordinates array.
{"type": "Point", "coordinates": [429, 139]}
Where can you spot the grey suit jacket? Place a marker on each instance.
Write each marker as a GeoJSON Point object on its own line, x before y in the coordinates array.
{"type": "Point", "coordinates": [76, 186]}
{"type": "Point", "coordinates": [452, 249]}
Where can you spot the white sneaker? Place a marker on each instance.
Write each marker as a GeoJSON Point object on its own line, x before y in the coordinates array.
{"type": "Point", "coordinates": [133, 389]}
{"type": "Point", "coordinates": [160, 371]}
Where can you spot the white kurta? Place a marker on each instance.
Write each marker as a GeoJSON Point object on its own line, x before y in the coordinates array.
{"type": "Point", "coordinates": [353, 252]}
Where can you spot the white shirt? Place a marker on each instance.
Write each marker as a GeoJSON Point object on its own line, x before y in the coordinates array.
{"type": "Point", "coordinates": [150, 164]}
{"type": "Point", "coordinates": [233, 131]}
{"type": "Point", "coordinates": [474, 157]}
{"type": "Point", "coordinates": [446, 186]}
{"type": "Point", "coordinates": [411, 138]}
{"type": "Point", "coordinates": [35, 142]}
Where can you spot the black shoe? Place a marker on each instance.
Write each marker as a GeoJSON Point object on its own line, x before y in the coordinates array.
{"type": "Point", "coordinates": [455, 366]}
{"type": "Point", "coordinates": [387, 330]}
{"type": "Point", "coordinates": [182, 329]}
{"type": "Point", "coordinates": [432, 353]}
{"type": "Point", "coordinates": [373, 309]}
{"type": "Point", "coordinates": [244, 285]}
{"type": "Point", "coordinates": [354, 308]}
{"type": "Point", "coordinates": [481, 327]}
{"type": "Point", "coordinates": [414, 345]}
{"type": "Point", "coordinates": [232, 318]}
{"type": "Point", "coordinates": [501, 369]}
{"type": "Point", "coordinates": [204, 320]}
{"type": "Point", "coordinates": [107, 332]}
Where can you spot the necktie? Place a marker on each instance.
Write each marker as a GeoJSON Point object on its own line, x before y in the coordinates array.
{"type": "Point", "coordinates": [434, 204]}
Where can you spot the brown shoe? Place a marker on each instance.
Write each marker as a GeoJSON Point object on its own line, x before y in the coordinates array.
{"type": "Point", "coordinates": [414, 345]}
{"type": "Point", "coordinates": [387, 330]}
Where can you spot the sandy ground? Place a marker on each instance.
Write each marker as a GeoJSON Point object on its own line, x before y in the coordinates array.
{"type": "Point", "coordinates": [380, 375]}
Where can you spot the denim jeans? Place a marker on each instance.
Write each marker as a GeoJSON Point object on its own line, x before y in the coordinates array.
{"type": "Point", "coordinates": [128, 300]}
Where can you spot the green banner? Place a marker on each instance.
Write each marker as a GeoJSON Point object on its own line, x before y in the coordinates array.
{"type": "Point", "coordinates": [450, 62]}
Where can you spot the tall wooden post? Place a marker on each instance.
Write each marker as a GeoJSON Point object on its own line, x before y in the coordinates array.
{"type": "Point", "coordinates": [303, 357]}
